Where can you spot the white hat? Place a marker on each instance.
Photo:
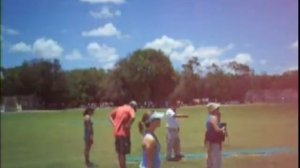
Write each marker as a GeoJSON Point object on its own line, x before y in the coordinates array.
{"type": "Point", "coordinates": [155, 115]}
{"type": "Point", "coordinates": [133, 103]}
{"type": "Point", "coordinates": [212, 106]}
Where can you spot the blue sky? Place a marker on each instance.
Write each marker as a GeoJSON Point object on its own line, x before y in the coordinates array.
{"type": "Point", "coordinates": [96, 33]}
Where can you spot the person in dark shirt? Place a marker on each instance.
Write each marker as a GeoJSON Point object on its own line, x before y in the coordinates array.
{"type": "Point", "coordinates": [213, 140]}
{"type": "Point", "coordinates": [88, 133]}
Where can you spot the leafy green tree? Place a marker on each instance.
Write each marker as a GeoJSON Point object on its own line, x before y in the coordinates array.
{"type": "Point", "coordinates": [240, 81]}
{"type": "Point", "coordinates": [217, 84]}
{"type": "Point", "coordinates": [189, 85]}
{"type": "Point", "coordinates": [85, 86]}
{"type": "Point", "coordinates": [146, 75]}
{"type": "Point", "coordinates": [46, 78]}
{"type": "Point", "coordinates": [39, 77]}
{"type": "Point", "coordinates": [115, 89]}
{"type": "Point", "coordinates": [11, 84]}
{"type": "Point", "coordinates": [288, 79]}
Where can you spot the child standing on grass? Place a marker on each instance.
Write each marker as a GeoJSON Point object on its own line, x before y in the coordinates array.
{"type": "Point", "coordinates": [88, 133]}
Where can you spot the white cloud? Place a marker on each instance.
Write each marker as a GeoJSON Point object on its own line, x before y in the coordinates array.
{"type": "Point", "coordinates": [105, 13]}
{"type": "Point", "coordinates": [103, 1]}
{"type": "Point", "coordinates": [208, 52]}
{"type": "Point", "coordinates": [21, 47]}
{"type": "Point", "coordinates": [107, 30]}
{"type": "Point", "coordinates": [9, 31]}
{"type": "Point", "coordinates": [243, 58]}
{"type": "Point", "coordinates": [47, 48]}
{"type": "Point", "coordinates": [292, 68]}
{"type": "Point", "coordinates": [263, 62]}
{"type": "Point", "coordinates": [105, 55]}
{"type": "Point", "coordinates": [210, 61]}
{"type": "Point", "coordinates": [181, 50]}
{"type": "Point", "coordinates": [295, 45]}
{"type": "Point", "coordinates": [281, 69]}
{"type": "Point", "coordinates": [74, 55]}
{"type": "Point", "coordinates": [166, 44]}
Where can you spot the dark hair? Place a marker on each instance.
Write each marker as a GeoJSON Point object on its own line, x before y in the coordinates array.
{"type": "Point", "coordinates": [173, 103]}
{"type": "Point", "coordinates": [142, 123]}
{"type": "Point", "coordinates": [88, 111]}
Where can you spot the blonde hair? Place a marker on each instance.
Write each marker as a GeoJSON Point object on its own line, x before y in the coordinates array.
{"type": "Point", "coordinates": [142, 125]}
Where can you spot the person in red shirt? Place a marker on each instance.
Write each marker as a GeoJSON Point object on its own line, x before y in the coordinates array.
{"type": "Point", "coordinates": [122, 118]}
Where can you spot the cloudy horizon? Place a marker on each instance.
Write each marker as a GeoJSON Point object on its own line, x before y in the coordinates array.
{"type": "Point", "coordinates": [97, 33]}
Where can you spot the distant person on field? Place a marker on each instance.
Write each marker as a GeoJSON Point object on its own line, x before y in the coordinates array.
{"type": "Point", "coordinates": [151, 146]}
{"type": "Point", "coordinates": [172, 137]}
{"type": "Point", "coordinates": [122, 118]}
{"type": "Point", "coordinates": [214, 136]}
{"type": "Point", "coordinates": [88, 133]}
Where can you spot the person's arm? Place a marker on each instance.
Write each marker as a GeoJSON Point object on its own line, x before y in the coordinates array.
{"type": "Point", "coordinates": [131, 120]}
{"type": "Point", "coordinates": [181, 116]}
{"type": "Point", "coordinates": [205, 139]}
{"type": "Point", "coordinates": [171, 113]}
{"type": "Point", "coordinates": [214, 122]}
{"type": "Point", "coordinates": [112, 116]}
{"type": "Point", "coordinates": [149, 147]}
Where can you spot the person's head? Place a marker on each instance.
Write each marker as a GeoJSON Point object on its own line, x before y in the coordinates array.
{"type": "Point", "coordinates": [173, 105]}
{"type": "Point", "coordinates": [150, 120]}
{"type": "Point", "coordinates": [213, 108]}
{"type": "Point", "coordinates": [133, 104]}
{"type": "Point", "coordinates": [88, 111]}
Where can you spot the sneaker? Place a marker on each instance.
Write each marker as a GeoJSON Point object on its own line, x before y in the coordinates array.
{"type": "Point", "coordinates": [174, 159]}
{"type": "Point", "coordinates": [179, 157]}
{"type": "Point", "coordinates": [169, 159]}
{"type": "Point", "coordinates": [90, 164]}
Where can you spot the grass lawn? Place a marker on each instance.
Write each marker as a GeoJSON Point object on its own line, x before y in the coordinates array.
{"type": "Point", "coordinates": [55, 139]}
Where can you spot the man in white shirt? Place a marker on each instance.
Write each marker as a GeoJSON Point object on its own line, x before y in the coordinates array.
{"type": "Point", "coordinates": [173, 141]}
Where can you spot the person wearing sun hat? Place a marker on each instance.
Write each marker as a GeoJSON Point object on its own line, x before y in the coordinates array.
{"type": "Point", "coordinates": [151, 147]}
{"type": "Point", "coordinates": [213, 140]}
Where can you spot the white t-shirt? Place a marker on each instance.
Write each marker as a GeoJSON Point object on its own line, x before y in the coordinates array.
{"type": "Point", "coordinates": [171, 120]}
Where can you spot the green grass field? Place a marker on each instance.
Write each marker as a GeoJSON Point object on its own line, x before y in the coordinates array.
{"type": "Point", "coordinates": [55, 139]}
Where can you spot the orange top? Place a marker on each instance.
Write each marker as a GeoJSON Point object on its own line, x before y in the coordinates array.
{"type": "Point", "coordinates": [121, 117]}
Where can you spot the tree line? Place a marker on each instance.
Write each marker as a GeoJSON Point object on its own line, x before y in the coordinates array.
{"type": "Point", "coordinates": [145, 75]}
